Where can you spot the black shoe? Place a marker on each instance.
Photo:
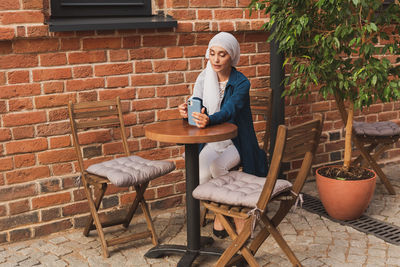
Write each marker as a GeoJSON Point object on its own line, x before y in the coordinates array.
{"type": "Point", "coordinates": [220, 233]}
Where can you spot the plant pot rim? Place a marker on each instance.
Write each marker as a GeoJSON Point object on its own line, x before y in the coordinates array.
{"type": "Point", "coordinates": [344, 181]}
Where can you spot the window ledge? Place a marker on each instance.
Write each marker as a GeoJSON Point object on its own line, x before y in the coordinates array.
{"type": "Point", "coordinates": [110, 23]}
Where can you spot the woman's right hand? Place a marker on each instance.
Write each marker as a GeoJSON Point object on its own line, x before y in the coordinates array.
{"type": "Point", "coordinates": [183, 110]}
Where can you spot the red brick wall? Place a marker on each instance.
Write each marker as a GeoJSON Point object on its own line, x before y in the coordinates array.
{"type": "Point", "coordinates": [151, 70]}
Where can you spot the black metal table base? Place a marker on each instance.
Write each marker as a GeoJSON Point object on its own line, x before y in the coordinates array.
{"type": "Point", "coordinates": [188, 255]}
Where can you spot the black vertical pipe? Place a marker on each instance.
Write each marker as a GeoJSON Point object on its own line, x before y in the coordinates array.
{"type": "Point", "coordinates": [277, 73]}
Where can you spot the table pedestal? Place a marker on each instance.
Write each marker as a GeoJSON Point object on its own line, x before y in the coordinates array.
{"type": "Point", "coordinates": [194, 241]}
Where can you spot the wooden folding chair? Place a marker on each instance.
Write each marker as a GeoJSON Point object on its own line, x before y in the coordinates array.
{"type": "Point", "coordinates": [372, 139]}
{"type": "Point", "coordinates": [240, 195]}
{"type": "Point", "coordinates": [260, 104]}
{"type": "Point", "coordinates": [106, 117]}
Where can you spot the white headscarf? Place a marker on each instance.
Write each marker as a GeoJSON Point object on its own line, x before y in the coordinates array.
{"type": "Point", "coordinates": [211, 87]}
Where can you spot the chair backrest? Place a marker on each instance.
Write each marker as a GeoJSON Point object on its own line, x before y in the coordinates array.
{"type": "Point", "coordinates": [300, 141]}
{"type": "Point", "coordinates": [261, 104]}
{"type": "Point", "coordinates": [85, 116]}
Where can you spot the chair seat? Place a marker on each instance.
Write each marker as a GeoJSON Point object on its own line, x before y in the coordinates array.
{"type": "Point", "coordinates": [237, 189]}
{"type": "Point", "coordinates": [382, 128]}
{"type": "Point", "coordinates": [132, 170]}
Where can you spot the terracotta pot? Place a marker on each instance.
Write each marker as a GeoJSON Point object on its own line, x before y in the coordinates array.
{"type": "Point", "coordinates": [345, 200]}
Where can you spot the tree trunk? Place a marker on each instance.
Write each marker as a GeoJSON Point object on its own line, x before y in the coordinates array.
{"type": "Point", "coordinates": [347, 140]}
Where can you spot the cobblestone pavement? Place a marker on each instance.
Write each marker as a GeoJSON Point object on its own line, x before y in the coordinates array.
{"type": "Point", "coordinates": [316, 241]}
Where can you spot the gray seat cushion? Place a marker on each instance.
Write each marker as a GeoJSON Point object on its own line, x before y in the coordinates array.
{"type": "Point", "coordinates": [237, 188]}
{"type": "Point", "coordinates": [132, 170]}
{"type": "Point", "coordinates": [381, 128]}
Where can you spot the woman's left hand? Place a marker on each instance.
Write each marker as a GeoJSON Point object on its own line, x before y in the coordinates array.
{"type": "Point", "coordinates": [201, 119]}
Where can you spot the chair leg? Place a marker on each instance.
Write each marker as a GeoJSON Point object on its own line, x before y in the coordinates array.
{"type": "Point", "coordinates": [95, 217]}
{"type": "Point", "coordinates": [139, 192]}
{"type": "Point", "coordinates": [374, 166]}
{"type": "Point", "coordinates": [281, 242]}
{"type": "Point", "coordinates": [147, 215]}
{"type": "Point", "coordinates": [97, 201]}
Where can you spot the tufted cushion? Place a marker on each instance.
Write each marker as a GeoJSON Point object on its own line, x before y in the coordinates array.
{"type": "Point", "coordinates": [131, 170]}
{"type": "Point", "coordinates": [382, 128]}
{"type": "Point", "coordinates": [237, 188]}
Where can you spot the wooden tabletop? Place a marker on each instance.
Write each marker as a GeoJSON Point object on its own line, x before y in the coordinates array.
{"type": "Point", "coordinates": [179, 131]}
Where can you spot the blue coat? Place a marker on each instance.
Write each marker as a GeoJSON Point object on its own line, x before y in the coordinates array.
{"type": "Point", "coordinates": [235, 108]}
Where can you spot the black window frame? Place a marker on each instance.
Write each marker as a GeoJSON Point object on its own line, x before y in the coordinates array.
{"type": "Point", "coordinates": [81, 15]}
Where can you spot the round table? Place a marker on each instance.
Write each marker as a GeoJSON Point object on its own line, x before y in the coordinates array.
{"type": "Point", "coordinates": [180, 132]}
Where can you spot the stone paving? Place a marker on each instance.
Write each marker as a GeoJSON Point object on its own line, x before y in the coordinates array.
{"type": "Point", "coordinates": [315, 240]}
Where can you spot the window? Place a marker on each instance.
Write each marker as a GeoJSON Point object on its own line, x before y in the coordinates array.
{"type": "Point", "coordinates": [74, 15]}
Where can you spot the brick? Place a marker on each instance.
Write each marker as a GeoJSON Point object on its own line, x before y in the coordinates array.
{"type": "Point", "coordinates": [5, 134]}
{"type": "Point", "coordinates": [26, 118]}
{"type": "Point", "coordinates": [3, 107]}
{"type": "Point", "coordinates": [21, 31]}
{"type": "Point", "coordinates": [57, 156]}
{"type": "Point", "coordinates": [35, 45]}
{"type": "Point", "coordinates": [174, 78]}
{"type": "Point", "coordinates": [19, 207]}
{"type": "Point", "coordinates": [177, 3]}
{"type": "Point", "coordinates": [3, 210]}
{"type": "Point", "coordinates": [195, 64]}
{"type": "Point", "coordinates": [202, 26]}
{"type": "Point", "coordinates": [58, 114]}
{"type": "Point", "coordinates": [101, 43]}
{"type": "Point", "coordinates": [184, 27]}
{"type": "Point", "coordinates": [51, 74]}
{"type": "Point", "coordinates": [87, 96]}
{"type": "Point", "coordinates": [18, 220]}
{"type": "Point", "coordinates": [50, 200]}
{"type": "Point", "coordinates": [87, 57]}
{"type": "Point", "coordinates": [32, 4]}
{"type": "Point", "coordinates": [17, 191]}
{"type": "Point", "coordinates": [126, 93]}
{"type": "Point", "coordinates": [18, 61]}
{"type": "Point", "coordinates": [146, 92]}
{"type": "Point", "coordinates": [119, 81]}
{"type": "Point", "coordinates": [160, 40]}
{"type": "Point", "coordinates": [20, 234]}
{"type": "Point", "coordinates": [24, 160]}
{"type": "Point", "coordinates": [23, 132]}
{"type": "Point", "coordinates": [2, 79]}
{"type": "Point", "coordinates": [20, 104]}
{"type": "Point", "coordinates": [173, 90]}
{"type": "Point", "coordinates": [7, 33]}
{"type": "Point", "coordinates": [22, 17]}
{"type": "Point", "coordinates": [170, 65]}
{"type": "Point", "coordinates": [143, 67]}
{"type": "Point", "coordinates": [150, 79]}
{"type": "Point", "coordinates": [182, 14]}
{"type": "Point", "coordinates": [167, 203]}
{"type": "Point", "coordinates": [100, 136]}
{"type": "Point", "coordinates": [195, 51]}
{"type": "Point", "coordinates": [113, 69]}
{"type": "Point", "coordinates": [9, 5]}
{"type": "Point", "coordinates": [53, 59]}
{"type": "Point", "coordinates": [149, 104]}
{"type": "Point", "coordinates": [82, 71]}
{"type": "Point", "coordinates": [119, 55]}
{"type": "Point", "coordinates": [25, 146]}
{"type": "Point", "coordinates": [53, 227]}
{"type": "Point", "coordinates": [174, 52]}
{"type": "Point", "coordinates": [75, 208]}
{"type": "Point", "coordinates": [168, 114]}
{"type": "Point", "coordinates": [37, 31]}
{"type": "Point", "coordinates": [19, 76]}
{"type": "Point", "coordinates": [53, 87]}
{"type": "Point", "coordinates": [205, 3]}
{"type": "Point", "coordinates": [225, 14]}
{"type": "Point", "coordinates": [204, 14]}
{"type": "Point", "coordinates": [53, 129]}
{"type": "Point", "coordinates": [6, 164]}
{"type": "Point", "coordinates": [85, 84]}
{"type": "Point", "coordinates": [131, 42]}
{"type": "Point", "coordinates": [52, 185]}
{"type": "Point", "coordinates": [60, 142]}
{"type": "Point", "coordinates": [50, 101]}
{"type": "Point", "coordinates": [146, 117]}
{"type": "Point", "coordinates": [203, 38]}
{"type": "Point", "coordinates": [69, 44]}
{"type": "Point", "coordinates": [146, 53]}
{"type": "Point", "coordinates": [62, 169]}
{"type": "Point", "coordinates": [226, 26]}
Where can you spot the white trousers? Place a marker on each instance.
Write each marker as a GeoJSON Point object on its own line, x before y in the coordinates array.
{"type": "Point", "coordinates": [213, 163]}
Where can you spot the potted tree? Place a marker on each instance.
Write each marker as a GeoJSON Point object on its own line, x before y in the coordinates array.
{"type": "Point", "coordinates": [346, 49]}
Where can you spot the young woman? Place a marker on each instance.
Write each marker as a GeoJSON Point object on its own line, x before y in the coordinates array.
{"type": "Point", "coordinates": [225, 95]}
